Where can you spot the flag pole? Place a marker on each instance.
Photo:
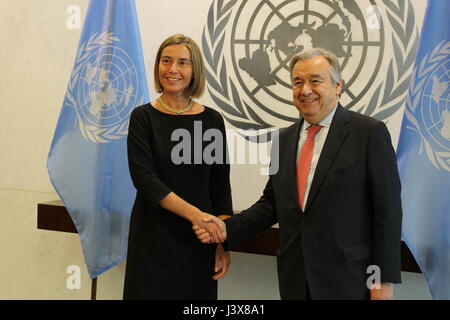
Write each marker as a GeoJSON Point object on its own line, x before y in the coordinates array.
{"type": "Point", "coordinates": [94, 289]}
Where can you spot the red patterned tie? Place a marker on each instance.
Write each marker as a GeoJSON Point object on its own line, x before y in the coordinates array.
{"type": "Point", "coordinates": [304, 162]}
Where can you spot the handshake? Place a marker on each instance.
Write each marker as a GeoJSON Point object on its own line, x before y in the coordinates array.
{"type": "Point", "coordinates": [210, 229]}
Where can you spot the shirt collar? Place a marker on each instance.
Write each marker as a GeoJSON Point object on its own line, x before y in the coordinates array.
{"type": "Point", "coordinates": [324, 123]}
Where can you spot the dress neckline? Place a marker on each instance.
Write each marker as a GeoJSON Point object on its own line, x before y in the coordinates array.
{"type": "Point", "coordinates": [172, 114]}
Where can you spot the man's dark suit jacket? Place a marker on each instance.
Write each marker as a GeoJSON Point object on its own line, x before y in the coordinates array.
{"type": "Point", "coordinates": [352, 217]}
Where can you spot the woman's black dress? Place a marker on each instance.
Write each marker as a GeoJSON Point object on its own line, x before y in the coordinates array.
{"type": "Point", "coordinates": [165, 259]}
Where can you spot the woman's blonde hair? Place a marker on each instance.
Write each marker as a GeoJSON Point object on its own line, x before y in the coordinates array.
{"type": "Point", "coordinates": [197, 85]}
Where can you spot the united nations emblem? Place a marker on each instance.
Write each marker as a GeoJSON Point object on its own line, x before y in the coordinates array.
{"type": "Point", "coordinates": [248, 46]}
{"type": "Point", "coordinates": [428, 108]}
{"type": "Point", "coordinates": [103, 89]}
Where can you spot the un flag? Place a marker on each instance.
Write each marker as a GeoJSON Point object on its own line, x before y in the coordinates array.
{"type": "Point", "coordinates": [424, 153]}
{"type": "Point", "coordinates": [87, 162]}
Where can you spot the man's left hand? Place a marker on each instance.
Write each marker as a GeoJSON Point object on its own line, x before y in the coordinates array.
{"type": "Point", "coordinates": [385, 291]}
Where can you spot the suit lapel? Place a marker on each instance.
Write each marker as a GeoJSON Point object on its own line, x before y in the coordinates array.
{"type": "Point", "coordinates": [336, 136]}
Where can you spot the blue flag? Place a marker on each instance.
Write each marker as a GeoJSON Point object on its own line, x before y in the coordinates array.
{"type": "Point", "coordinates": [424, 153]}
{"type": "Point", "coordinates": [87, 162]}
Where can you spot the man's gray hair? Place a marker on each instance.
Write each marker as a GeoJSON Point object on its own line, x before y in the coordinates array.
{"type": "Point", "coordinates": [329, 56]}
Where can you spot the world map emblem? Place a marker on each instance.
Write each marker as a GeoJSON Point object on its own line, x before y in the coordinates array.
{"type": "Point", "coordinates": [248, 46]}
{"type": "Point", "coordinates": [428, 108]}
{"type": "Point", "coordinates": [103, 89]}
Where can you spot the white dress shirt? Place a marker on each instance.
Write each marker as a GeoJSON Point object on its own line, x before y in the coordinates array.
{"type": "Point", "coordinates": [319, 141]}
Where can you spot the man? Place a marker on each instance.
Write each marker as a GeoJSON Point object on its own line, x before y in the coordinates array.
{"type": "Point", "coordinates": [336, 195]}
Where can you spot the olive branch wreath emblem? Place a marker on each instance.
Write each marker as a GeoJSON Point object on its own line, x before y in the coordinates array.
{"type": "Point", "coordinates": [93, 133]}
{"type": "Point", "coordinates": [381, 106]}
{"type": "Point", "coordinates": [421, 73]}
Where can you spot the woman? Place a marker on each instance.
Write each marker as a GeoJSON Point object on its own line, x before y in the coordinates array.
{"type": "Point", "coordinates": [176, 189]}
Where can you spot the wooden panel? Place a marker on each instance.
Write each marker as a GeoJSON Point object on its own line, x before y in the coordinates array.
{"type": "Point", "coordinates": [54, 216]}
{"type": "Point", "coordinates": [409, 263]}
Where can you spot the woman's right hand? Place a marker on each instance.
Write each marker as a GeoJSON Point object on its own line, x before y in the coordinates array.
{"type": "Point", "coordinates": [214, 230]}
{"type": "Point", "coordinates": [210, 229]}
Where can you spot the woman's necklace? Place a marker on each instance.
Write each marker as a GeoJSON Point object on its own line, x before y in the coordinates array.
{"type": "Point", "coordinates": [169, 108]}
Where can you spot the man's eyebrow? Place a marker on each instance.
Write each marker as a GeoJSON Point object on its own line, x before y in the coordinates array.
{"type": "Point", "coordinates": [310, 76]}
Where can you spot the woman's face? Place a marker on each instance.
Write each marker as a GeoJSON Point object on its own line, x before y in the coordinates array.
{"type": "Point", "coordinates": [175, 69]}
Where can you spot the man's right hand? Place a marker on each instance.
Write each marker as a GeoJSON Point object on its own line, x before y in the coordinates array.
{"type": "Point", "coordinates": [204, 234]}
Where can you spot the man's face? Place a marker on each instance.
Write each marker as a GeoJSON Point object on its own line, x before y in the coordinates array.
{"type": "Point", "coordinates": [315, 94]}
